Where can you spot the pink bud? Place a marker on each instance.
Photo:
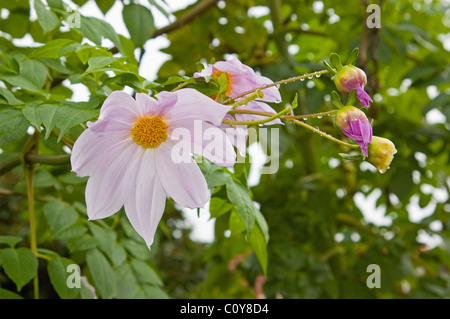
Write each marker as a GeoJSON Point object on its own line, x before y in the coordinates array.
{"type": "Point", "coordinates": [350, 77]}
{"type": "Point", "coordinates": [354, 124]}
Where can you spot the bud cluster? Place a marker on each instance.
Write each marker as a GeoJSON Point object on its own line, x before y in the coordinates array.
{"type": "Point", "coordinates": [352, 121]}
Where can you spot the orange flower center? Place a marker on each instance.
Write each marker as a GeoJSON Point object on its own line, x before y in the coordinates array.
{"type": "Point", "coordinates": [149, 131]}
{"type": "Point", "coordinates": [217, 74]}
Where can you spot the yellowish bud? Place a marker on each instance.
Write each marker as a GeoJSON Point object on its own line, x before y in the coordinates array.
{"type": "Point", "coordinates": [381, 152]}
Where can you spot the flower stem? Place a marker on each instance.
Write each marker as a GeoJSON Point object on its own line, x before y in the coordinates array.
{"type": "Point", "coordinates": [295, 78]}
{"type": "Point", "coordinates": [255, 122]}
{"type": "Point", "coordinates": [315, 130]}
{"type": "Point", "coordinates": [31, 147]}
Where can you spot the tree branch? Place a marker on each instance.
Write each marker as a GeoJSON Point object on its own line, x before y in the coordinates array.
{"type": "Point", "coordinates": [196, 11]}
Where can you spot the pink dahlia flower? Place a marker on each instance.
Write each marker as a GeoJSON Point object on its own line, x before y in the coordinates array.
{"type": "Point", "coordinates": [350, 77]}
{"type": "Point", "coordinates": [240, 79]}
{"type": "Point", "coordinates": [355, 125]}
{"type": "Point", "coordinates": [131, 157]}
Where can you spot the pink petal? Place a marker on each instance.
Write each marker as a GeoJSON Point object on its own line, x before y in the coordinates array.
{"type": "Point", "coordinates": [145, 206]}
{"type": "Point", "coordinates": [105, 193]}
{"type": "Point", "coordinates": [184, 182]}
{"type": "Point", "coordinates": [206, 140]}
{"type": "Point", "coordinates": [119, 103]}
{"type": "Point", "coordinates": [193, 105]}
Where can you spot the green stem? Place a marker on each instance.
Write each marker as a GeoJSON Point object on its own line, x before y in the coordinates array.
{"type": "Point", "coordinates": [256, 122]}
{"type": "Point", "coordinates": [309, 127]}
{"type": "Point", "coordinates": [303, 116]}
{"type": "Point", "coordinates": [313, 115]}
{"type": "Point", "coordinates": [295, 78]}
{"type": "Point", "coordinates": [255, 95]}
{"type": "Point", "coordinates": [49, 159]}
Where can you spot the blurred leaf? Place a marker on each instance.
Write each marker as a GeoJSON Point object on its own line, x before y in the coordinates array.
{"type": "Point", "coordinates": [57, 271]}
{"type": "Point", "coordinates": [46, 18]}
{"type": "Point", "coordinates": [139, 22]}
{"type": "Point", "coordinates": [102, 273]}
{"type": "Point", "coordinates": [19, 264]}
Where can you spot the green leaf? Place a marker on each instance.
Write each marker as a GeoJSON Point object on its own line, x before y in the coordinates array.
{"type": "Point", "coordinates": [105, 63]}
{"type": "Point", "coordinates": [259, 246]}
{"type": "Point", "coordinates": [34, 70]}
{"type": "Point", "coordinates": [19, 264]}
{"type": "Point", "coordinates": [214, 174]}
{"type": "Point", "coordinates": [52, 49]}
{"type": "Point", "coordinates": [139, 22]}
{"type": "Point", "coordinates": [223, 83]}
{"type": "Point", "coordinates": [10, 240]}
{"type": "Point", "coordinates": [145, 273]}
{"type": "Point", "coordinates": [6, 294]}
{"type": "Point", "coordinates": [219, 207]}
{"type": "Point", "coordinates": [152, 292]}
{"type": "Point", "coordinates": [46, 18]}
{"type": "Point", "coordinates": [59, 217]}
{"type": "Point", "coordinates": [239, 196]}
{"type": "Point", "coordinates": [105, 5]}
{"type": "Point", "coordinates": [13, 126]}
{"type": "Point", "coordinates": [57, 271]}
{"type": "Point", "coordinates": [94, 29]}
{"type": "Point", "coordinates": [10, 98]}
{"type": "Point", "coordinates": [102, 273]}
{"type": "Point", "coordinates": [62, 117]}
{"type": "Point", "coordinates": [23, 83]}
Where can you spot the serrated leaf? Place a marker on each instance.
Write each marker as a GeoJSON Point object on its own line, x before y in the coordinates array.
{"type": "Point", "coordinates": [19, 264]}
{"type": "Point", "coordinates": [59, 217]}
{"type": "Point", "coordinates": [239, 196]}
{"type": "Point", "coordinates": [13, 126]}
{"type": "Point", "coordinates": [102, 273]}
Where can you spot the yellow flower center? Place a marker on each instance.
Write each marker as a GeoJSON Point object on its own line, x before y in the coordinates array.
{"type": "Point", "coordinates": [217, 74]}
{"type": "Point", "coordinates": [149, 131]}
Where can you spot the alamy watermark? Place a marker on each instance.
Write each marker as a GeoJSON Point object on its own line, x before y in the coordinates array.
{"type": "Point", "coordinates": [374, 19]}
{"type": "Point", "coordinates": [374, 279]}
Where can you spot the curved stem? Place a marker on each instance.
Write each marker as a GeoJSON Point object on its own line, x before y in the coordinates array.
{"type": "Point", "coordinates": [49, 159]}
{"type": "Point", "coordinates": [309, 127]}
{"type": "Point", "coordinates": [295, 78]}
{"type": "Point", "coordinates": [255, 122]}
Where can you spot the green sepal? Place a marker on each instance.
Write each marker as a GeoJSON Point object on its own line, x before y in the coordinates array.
{"type": "Point", "coordinates": [329, 68]}
{"type": "Point", "coordinates": [351, 98]}
{"type": "Point", "coordinates": [336, 61]}
{"type": "Point", "coordinates": [336, 100]}
{"type": "Point", "coordinates": [353, 56]}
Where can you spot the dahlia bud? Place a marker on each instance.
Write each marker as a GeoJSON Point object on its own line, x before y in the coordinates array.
{"type": "Point", "coordinates": [381, 153]}
{"type": "Point", "coordinates": [355, 125]}
{"type": "Point", "coordinates": [350, 77]}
